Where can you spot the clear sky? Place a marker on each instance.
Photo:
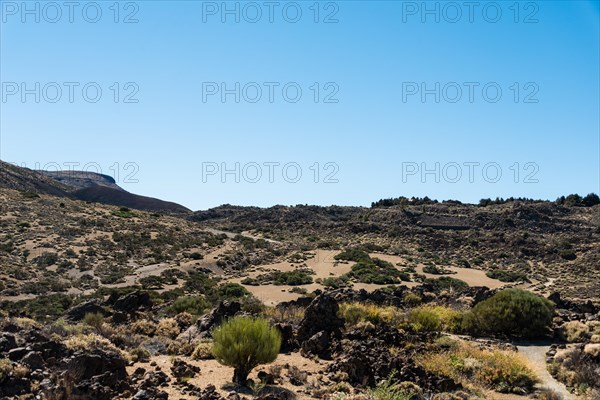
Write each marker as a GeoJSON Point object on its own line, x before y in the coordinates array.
{"type": "Point", "coordinates": [464, 90]}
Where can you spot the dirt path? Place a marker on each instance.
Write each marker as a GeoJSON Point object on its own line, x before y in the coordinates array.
{"type": "Point", "coordinates": [535, 352]}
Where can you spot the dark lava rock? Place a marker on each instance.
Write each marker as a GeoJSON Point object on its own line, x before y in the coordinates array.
{"type": "Point", "coordinates": [210, 393]}
{"type": "Point", "coordinates": [288, 342]}
{"type": "Point", "coordinates": [224, 310]}
{"type": "Point", "coordinates": [154, 379]}
{"type": "Point", "coordinates": [33, 360]}
{"type": "Point", "coordinates": [181, 369]}
{"type": "Point", "coordinates": [317, 345]}
{"type": "Point", "coordinates": [266, 378]}
{"type": "Point", "coordinates": [320, 315]}
{"type": "Point", "coordinates": [7, 342]}
{"type": "Point", "coordinates": [77, 312]}
{"type": "Point", "coordinates": [92, 375]}
{"type": "Point", "coordinates": [130, 302]}
{"type": "Point", "coordinates": [17, 353]}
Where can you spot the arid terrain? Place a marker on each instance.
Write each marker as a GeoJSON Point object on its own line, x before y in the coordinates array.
{"type": "Point", "coordinates": [107, 296]}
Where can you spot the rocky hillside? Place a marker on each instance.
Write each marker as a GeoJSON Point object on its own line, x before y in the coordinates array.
{"type": "Point", "coordinates": [87, 186]}
{"type": "Point", "coordinates": [396, 302]}
{"type": "Point", "coordinates": [556, 245]}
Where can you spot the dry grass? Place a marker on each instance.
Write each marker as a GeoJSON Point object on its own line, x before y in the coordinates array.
{"type": "Point", "coordinates": [86, 342]}
{"type": "Point", "coordinates": [168, 327]}
{"type": "Point", "coordinates": [503, 371]}
{"type": "Point", "coordinates": [431, 318]}
{"type": "Point", "coordinates": [355, 313]}
{"type": "Point", "coordinates": [203, 351]}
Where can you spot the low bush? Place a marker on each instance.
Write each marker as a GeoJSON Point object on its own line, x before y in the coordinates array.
{"type": "Point", "coordinates": [95, 320]}
{"type": "Point", "coordinates": [168, 327]}
{"type": "Point", "coordinates": [391, 389]}
{"type": "Point", "coordinates": [291, 278]}
{"type": "Point", "coordinates": [335, 282]}
{"type": "Point", "coordinates": [376, 271]}
{"type": "Point", "coordinates": [231, 290]}
{"type": "Point", "coordinates": [353, 313]}
{"type": "Point", "coordinates": [430, 318]}
{"type": "Point", "coordinates": [574, 332]}
{"type": "Point", "coordinates": [195, 305]}
{"type": "Point", "coordinates": [203, 351]}
{"type": "Point", "coordinates": [139, 354]}
{"type": "Point", "coordinates": [144, 327]}
{"type": "Point", "coordinates": [448, 283]}
{"type": "Point", "coordinates": [89, 342]}
{"type": "Point", "coordinates": [507, 276]}
{"type": "Point", "coordinates": [436, 270]}
{"type": "Point", "coordinates": [577, 369]}
{"type": "Point", "coordinates": [510, 312]}
{"type": "Point", "coordinates": [354, 254]}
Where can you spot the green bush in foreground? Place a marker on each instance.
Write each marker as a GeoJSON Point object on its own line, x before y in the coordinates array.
{"type": "Point", "coordinates": [244, 343]}
{"type": "Point", "coordinates": [510, 312]}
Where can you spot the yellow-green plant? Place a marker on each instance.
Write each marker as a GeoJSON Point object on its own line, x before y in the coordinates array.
{"type": "Point", "coordinates": [496, 369]}
{"type": "Point", "coordinates": [435, 318]}
{"type": "Point", "coordinates": [244, 343]}
{"type": "Point", "coordinates": [354, 313]}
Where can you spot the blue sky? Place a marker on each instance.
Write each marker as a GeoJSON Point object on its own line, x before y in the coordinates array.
{"type": "Point", "coordinates": [370, 133]}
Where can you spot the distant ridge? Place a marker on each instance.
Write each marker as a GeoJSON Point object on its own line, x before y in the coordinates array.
{"type": "Point", "coordinates": [80, 185]}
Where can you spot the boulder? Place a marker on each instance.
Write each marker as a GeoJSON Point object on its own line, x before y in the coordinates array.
{"type": "Point", "coordinates": [224, 310]}
{"type": "Point", "coordinates": [320, 315]}
{"type": "Point", "coordinates": [202, 327]}
{"type": "Point", "coordinates": [98, 375]}
{"type": "Point", "coordinates": [77, 313]}
{"type": "Point", "coordinates": [180, 369]}
{"type": "Point", "coordinates": [33, 360]}
{"type": "Point", "coordinates": [130, 302]}
{"type": "Point", "coordinates": [7, 342]}
{"type": "Point", "coordinates": [317, 345]}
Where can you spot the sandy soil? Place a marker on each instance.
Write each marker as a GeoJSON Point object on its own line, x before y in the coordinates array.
{"type": "Point", "coordinates": [324, 265]}
{"type": "Point", "coordinates": [219, 375]}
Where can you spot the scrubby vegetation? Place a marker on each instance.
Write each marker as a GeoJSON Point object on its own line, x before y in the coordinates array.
{"type": "Point", "coordinates": [503, 371]}
{"type": "Point", "coordinates": [376, 271]}
{"type": "Point", "coordinates": [507, 276]}
{"type": "Point", "coordinates": [105, 282]}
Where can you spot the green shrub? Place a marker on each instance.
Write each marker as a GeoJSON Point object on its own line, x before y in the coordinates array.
{"type": "Point", "coordinates": [139, 354]}
{"type": "Point", "coordinates": [244, 343]}
{"type": "Point", "coordinates": [353, 313]}
{"type": "Point", "coordinates": [412, 299]}
{"type": "Point", "coordinates": [95, 320]}
{"type": "Point", "coordinates": [291, 278]}
{"type": "Point", "coordinates": [123, 214]}
{"type": "Point", "coordinates": [355, 255]}
{"type": "Point", "coordinates": [195, 305]}
{"type": "Point", "coordinates": [507, 276]}
{"type": "Point", "coordinates": [510, 312]}
{"type": "Point", "coordinates": [151, 282]}
{"type": "Point", "coordinates": [436, 270]}
{"type": "Point", "coordinates": [448, 283]}
{"type": "Point", "coordinates": [335, 282]}
{"type": "Point", "coordinates": [232, 291]}
{"type": "Point", "coordinates": [376, 271]}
